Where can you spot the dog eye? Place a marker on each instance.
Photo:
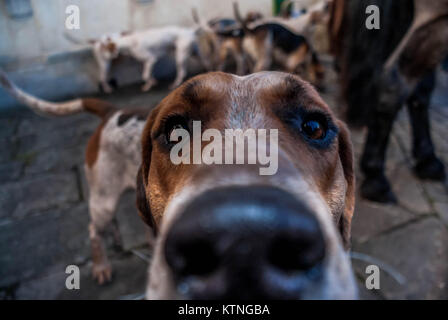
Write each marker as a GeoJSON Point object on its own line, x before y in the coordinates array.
{"type": "Point", "coordinates": [313, 129]}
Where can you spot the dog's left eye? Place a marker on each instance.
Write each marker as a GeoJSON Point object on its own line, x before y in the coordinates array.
{"type": "Point", "coordinates": [171, 135]}
{"type": "Point", "coordinates": [313, 129]}
{"type": "Point", "coordinates": [173, 124]}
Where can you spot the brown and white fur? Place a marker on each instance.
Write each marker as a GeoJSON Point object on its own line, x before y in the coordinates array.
{"type": "Point", "coordinates": [321, 178]}
{"type": "Point", "coordinates": [266, 42]}
{"type": "Point", "coordinates": [230, 41]}
{"type": "Point", "coordinates": [111, 161]}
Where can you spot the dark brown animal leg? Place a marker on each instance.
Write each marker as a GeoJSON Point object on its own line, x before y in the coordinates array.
{"type": "Point", "coordinates": [376, 187]}
{"type": "Point", "coordinates": [118, 241]}
{"type": "Point", "coordinates": [427, 166]}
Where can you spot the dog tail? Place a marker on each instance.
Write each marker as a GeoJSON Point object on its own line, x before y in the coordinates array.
{"type": "Point", "coordinates": [200, 23]}
{"type": "Point", "coordinates": [194, 13]}
{"type": "Point", "coordinates": [77, 41]}
{"type": "Point", "coordinates": [238, 16]}
{"type": "Point", "coordinates": [46, 108]}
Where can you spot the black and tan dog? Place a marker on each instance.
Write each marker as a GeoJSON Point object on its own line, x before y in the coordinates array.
{"type": "Point", "coordinates": [266, 42]}
{"type": "Point", "coordinates": [229, 40]}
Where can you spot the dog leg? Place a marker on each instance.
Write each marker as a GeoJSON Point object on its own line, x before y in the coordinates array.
{"type": "Point", "coordinates": [263, 60]}
{"type": "Point", "coordinates": [293, 61]}
{"type": "Point", "coordinates": [102, 204]}
{"type": "Point", "coordinates": [101, 269]}
{"type": "Point", "coordinates": [118, 241]}
{"type": "Point", "coordinates": [104, 71]}
{"type": "Point", "coordinates": [239, 60]}
{"type": "Point", "coordinates": [147, 73]}
{"type": "Point", "coordinates": [104, 66]}
{"type": "Point", "coordinates": [265, 52]}
{"type": "Point", "coordinates": [183, 50]}
{"type": "Point", "coordinates": [263, 64]}
{"type": "Point", "coordinates": [222, 56]}
{"type": "Point", "coordinates": [428, 166]}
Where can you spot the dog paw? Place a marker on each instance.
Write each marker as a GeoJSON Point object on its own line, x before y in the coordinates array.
{"type": "Point", "coordinates": [107, 89]}
{"type": "Point", "coordinates": [430, 169]}
{"type": "Point", "coordinates": [148, 85]}
{"type": "Point", "coordinates": [113, 83]}
{"type": "Point", "coordinates": [175, 85]}
{"type": "Point", "coordinates": [377, 189]}
{"type": "Point", "coordinates": [102, 272]}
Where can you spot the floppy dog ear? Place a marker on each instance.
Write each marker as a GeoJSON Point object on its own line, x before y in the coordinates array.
{"type": "Point", "coordinates": [144, 210]}
{"type": "Point", "coordinates": [346, 156]}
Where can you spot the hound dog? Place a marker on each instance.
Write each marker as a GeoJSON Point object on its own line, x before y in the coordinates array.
{"type": "Point", "coordinates": [224, 231]}
{"type": "Point", "coordinates": [231, 43]}
{"type": "Point", "coordinates": [148, 46]}
{"type": "Point", "coordinates": [317, 13]}
{"type": "Point", "coordinates": [266, 42]}
{"type": "Point", "coordinates": [112, 159]}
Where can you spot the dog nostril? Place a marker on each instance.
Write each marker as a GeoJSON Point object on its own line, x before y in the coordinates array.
{"type": "Point", "coordinates": [291, 254]}
{"type": "Point", "coordinates": [193, 258]}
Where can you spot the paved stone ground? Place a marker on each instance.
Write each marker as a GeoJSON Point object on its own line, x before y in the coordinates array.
{"type": "Point", "coordinates": [44, 216]}
{"type": "Point", "coordinates": [43, 208]}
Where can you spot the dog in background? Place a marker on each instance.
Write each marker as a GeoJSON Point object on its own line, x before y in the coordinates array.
{"type": "Point", "coordinates": [304, 24]}
{"type": "Point", "coordinates": [230, 44]}
{"type": "Point", "coordinates": [148, 46]}
{"type": "Point", "coordinates": [269, 42]}
{"type": "Point", "coordinates": [112, 160]}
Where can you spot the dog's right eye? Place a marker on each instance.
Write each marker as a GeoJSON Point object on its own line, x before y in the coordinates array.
{"type": "Point", "coordinates": [313, 129]}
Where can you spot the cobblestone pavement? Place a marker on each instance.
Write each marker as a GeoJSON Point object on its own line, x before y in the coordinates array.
{"type": "Point", "coordinates": [44, 216]}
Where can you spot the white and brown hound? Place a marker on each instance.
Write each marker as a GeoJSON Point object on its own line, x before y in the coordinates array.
{"type": "Point", "coordinates": [111, 161]}
{"type": "Point", "coordinates": [148, 46]}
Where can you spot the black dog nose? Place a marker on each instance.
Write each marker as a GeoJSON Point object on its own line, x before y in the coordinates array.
{"type": "Point", "coordinates": [245, 242]}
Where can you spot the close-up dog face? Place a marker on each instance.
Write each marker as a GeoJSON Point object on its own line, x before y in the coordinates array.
{"type": "Point", "coordinates": [202, 150]}
{"type": "Point", "coordinates": [225, 231]}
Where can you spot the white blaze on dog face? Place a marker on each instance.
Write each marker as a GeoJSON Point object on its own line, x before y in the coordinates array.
{"type": "Point", "coordinates": [311, 165]}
